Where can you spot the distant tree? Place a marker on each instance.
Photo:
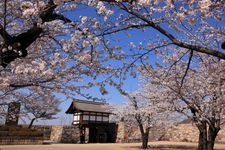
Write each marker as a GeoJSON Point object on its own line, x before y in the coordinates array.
{"type": "Point", "coordinates": [35, 104]}
{"type": "Point", "coordinates": [145, 111]}
{"type": "Point", "coordinates": [42, 108]}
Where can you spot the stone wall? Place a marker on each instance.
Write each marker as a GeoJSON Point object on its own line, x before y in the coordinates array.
{"type": "Point", "coordinates": [60, 134]}
{"type": "Point", "coordinates": [70, 134]}
{"type": "Point", "coordinates": [56, 134]}
{"type": "Point", "coordinates": [20, 135]}
{"type": "Point", "coordinates": [46, 130]}
{"type": "Point", "coordinates": [180, 133]}
{"type": "Point", "coordinates": [126, 134]}
{"type": "Point", "coordinates": [188, 133]}
{"type": "Point", "coordinates": [120, 132]}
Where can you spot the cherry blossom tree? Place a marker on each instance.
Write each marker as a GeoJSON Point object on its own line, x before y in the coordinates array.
{"type": "Point", "coordinates": [50, 45]}
{"type": "Point", "coordinates": [145, 111]}
{"type": "Point", "coordinates": [35, 104]}
{"type": "Point", "coordinates": [34, 29]}
{"type": "Point", "coordinates": [180, 31]}
{"type": "Point", "coordinates": [199, 95]}
{"type": "Point", "coordinates": [192, 25]}
{"type": "Point", "coordinates": [43, 50]}
{"type": "Point", "coordinates": [39, 106]}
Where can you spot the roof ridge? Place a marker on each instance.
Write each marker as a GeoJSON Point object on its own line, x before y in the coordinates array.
{"type": "Point", "coordinates": [91, 106]}
{"type": "Point", "coordinates": [88, 101]}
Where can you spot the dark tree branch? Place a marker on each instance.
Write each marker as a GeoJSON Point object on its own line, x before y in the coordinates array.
{"type": "Point", "coordinates": [223, 45]}
{"type": "Point", "coordinates": [7, 38]}
{"type": "Point", "coordinates": [48, 14]}
{"type": "Point", "coordinates": [3, 32]}
{"type": "Point", "coordinates": [186, 71]}
{"type": "Point", "coordinates": [175, 41]}
{"type": "Point", "coordinates": [174, 63]}
{"type": "Point", "coordinates": [30, 83]}
{"type": "Point", "coordinates": [21, 42]}
{"type": "Point", "coordinates": [139, 26]}
{"type": "Point", "coordinates": [27, 38]}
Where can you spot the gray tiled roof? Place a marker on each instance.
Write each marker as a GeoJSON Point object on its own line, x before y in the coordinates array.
{"type": "Point", "coordinates": [91, 106]}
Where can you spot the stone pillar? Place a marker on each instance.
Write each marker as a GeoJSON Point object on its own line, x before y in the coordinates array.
{"type": "Point", "coordinates": [56, 134]}
{"type": "Point", "coordinates": [120, 132]}
{"type": "Point", "coordinates": [12, 117]}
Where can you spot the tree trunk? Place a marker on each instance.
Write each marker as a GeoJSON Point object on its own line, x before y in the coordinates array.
{"type": "Point", "coordinates": [145, 140]}
{"type": "Point", "coordinates": [202, 142]}
{"type": "Point", "coordinates": [31, 123]}
{"type": "Point", "coordinates": [212, 133]}
{"type": "Point", "coordinates": [144, 135]}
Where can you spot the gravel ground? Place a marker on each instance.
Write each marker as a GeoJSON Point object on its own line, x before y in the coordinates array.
{"type": "Point", "coordinates": [126, 146]}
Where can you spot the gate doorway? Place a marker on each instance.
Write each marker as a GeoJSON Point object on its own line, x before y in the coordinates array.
{"type": "Point", "coordinates": [97, 135]}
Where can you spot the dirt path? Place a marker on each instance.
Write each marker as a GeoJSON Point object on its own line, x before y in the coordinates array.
{"type": "Point", "coordinates": [126, 146]}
